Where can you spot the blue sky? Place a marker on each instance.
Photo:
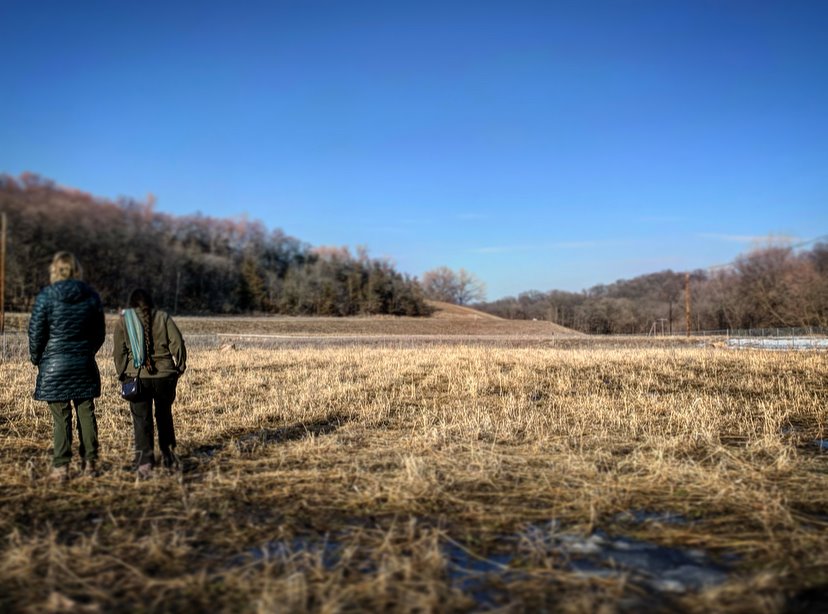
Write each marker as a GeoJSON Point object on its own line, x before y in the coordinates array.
{"type": "Point", "coordinates": [540, 145]}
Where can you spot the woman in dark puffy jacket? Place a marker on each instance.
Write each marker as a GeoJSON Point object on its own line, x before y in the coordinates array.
{"type": "Point", "coordinates": [165, 360]}
{"type": "Point", "coordinates": [65, 332]}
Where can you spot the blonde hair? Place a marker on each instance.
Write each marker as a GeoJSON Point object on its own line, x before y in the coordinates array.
{"type": "Point", "coordinates": [64, 266]}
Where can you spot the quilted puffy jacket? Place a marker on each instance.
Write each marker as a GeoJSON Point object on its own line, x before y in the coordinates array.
{"type": "Point", "coordinates": [65, 331]}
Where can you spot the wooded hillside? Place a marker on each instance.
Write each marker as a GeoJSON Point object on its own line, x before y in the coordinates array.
{"type": "Point", "coordinates": [191, 264]}
{"type": "Point", "coordinates": [775, 286]}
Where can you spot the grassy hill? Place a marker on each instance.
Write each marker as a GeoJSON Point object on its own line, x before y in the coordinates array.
{"type": "Point", "coordinates": [452, 311]}
{"type": "Point", "coordinates": [447, 321]}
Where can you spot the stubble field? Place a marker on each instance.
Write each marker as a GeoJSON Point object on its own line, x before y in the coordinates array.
{"type": "Point", "coordinates": [416, 470]}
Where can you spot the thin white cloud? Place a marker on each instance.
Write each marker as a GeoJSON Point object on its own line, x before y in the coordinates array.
{"type": "Point", "coordinates": [661, 219]}
{"type": "Point", "coordinates": [412, 221]}
{"type": "Point", "coordinates": [580, 244]}
{"type": "Point", "coordinates": [656, 263]}
{"type": "Point", "coordinates": [505, 249]}
{"type": "Point", "coordinates": [388, 229]}
{"type": "Point", "coordinates": [502, 249]}
{"type": "Point", "coordinates": [750, 239]}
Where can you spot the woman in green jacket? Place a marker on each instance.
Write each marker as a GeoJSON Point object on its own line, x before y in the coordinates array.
{"type": "Point", "coordinates": [165, 360]}
{"type": "Point", "coordinates": [66, 330]}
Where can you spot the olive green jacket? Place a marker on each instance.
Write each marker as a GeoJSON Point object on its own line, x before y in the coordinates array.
{"type": "Point", "coordinates": [168, 352]}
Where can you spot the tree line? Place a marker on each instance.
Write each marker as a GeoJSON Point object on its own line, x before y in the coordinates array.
{"type": "Point", "coordinates": [191, 264]}
{"type": "Point", "coordinates": [773, 286]}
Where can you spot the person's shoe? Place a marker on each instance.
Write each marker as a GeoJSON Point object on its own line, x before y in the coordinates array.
{"type": "Point", "coordinates": [90, 469]}
{"type": "Point", "coordinates": [170, 460]}
{"type": "Point", "coordinates": [144, 471]}
{"type": "Point", "coordinates": [60, 474]}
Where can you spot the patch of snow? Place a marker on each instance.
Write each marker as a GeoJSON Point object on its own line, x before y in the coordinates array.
{"type": "Point", "coordinates": [778, 343]}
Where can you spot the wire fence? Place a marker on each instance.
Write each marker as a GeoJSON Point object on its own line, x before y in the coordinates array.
{"type": "Point", "coordinates": [14, 346]}
{"type": "Point", "coordinates": [803, 331]}
{"type": "Point", "coordinates": [807, 331]}
{"type": "Point", "coordinates": [779, 343]}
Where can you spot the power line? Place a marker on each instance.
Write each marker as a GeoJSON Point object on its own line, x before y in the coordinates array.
{"type": "Point", "coordinates": [794, 246]}
{"type": "Point", "coordinates": [687, 314]}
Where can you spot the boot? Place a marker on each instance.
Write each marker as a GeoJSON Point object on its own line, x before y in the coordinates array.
{"type": "Point", "coordinates": [90, 469]}
{"type": "Point", "coordinates": [170, 460]}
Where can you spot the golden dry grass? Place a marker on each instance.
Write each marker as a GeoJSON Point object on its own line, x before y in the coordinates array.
{"type": "Point", "coordinates": [332, 478]}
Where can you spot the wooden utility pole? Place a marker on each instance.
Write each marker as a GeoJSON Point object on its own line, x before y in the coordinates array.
{"type": "Point", "coordinates": [687, 302]}
{"type": "Point", "coordinates": [2, 272]}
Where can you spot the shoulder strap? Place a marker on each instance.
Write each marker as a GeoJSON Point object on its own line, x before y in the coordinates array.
{"type": "Point", "coordinates": [135, 332]}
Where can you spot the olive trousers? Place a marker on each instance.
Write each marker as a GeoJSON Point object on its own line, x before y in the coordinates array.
{"type": "Point", "coordinates": [62, 431]}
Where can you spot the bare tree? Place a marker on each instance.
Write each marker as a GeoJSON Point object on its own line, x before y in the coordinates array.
{"type": "Point", "coordinates": [440, 284]}
{"type": "Point", "coordinates": [461, 288]}
{"type": "Point", "coordinates": [469, 288]}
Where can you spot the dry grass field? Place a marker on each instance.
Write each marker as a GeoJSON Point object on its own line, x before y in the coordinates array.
{"type": "Point", "coordinates": [446, 465]}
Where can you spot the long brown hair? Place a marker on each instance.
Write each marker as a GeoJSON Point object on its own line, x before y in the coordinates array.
{"type": "Point", "coordinates": [141, 301]}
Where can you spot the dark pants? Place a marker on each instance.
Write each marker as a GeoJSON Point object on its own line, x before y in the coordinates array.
{"type": "Point", "coordinates": [62, 432]}
{"type": "Point", "coordinates": [161, 391]}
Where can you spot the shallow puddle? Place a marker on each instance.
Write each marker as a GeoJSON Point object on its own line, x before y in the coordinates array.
{"type": "Point", "coordinates": [485, 577]}
{"type": "Point", "coordinates": [650, 517]}
{"type": "Point", "coordinates": [659, 568]}
{"type": "Point", "coordinates": [321, 550]}
{"type": "Point", "coordinates": [472, 574]}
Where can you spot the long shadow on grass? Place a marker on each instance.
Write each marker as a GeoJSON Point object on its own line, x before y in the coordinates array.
{"type": "Point", "coordinates": [249, 441]}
